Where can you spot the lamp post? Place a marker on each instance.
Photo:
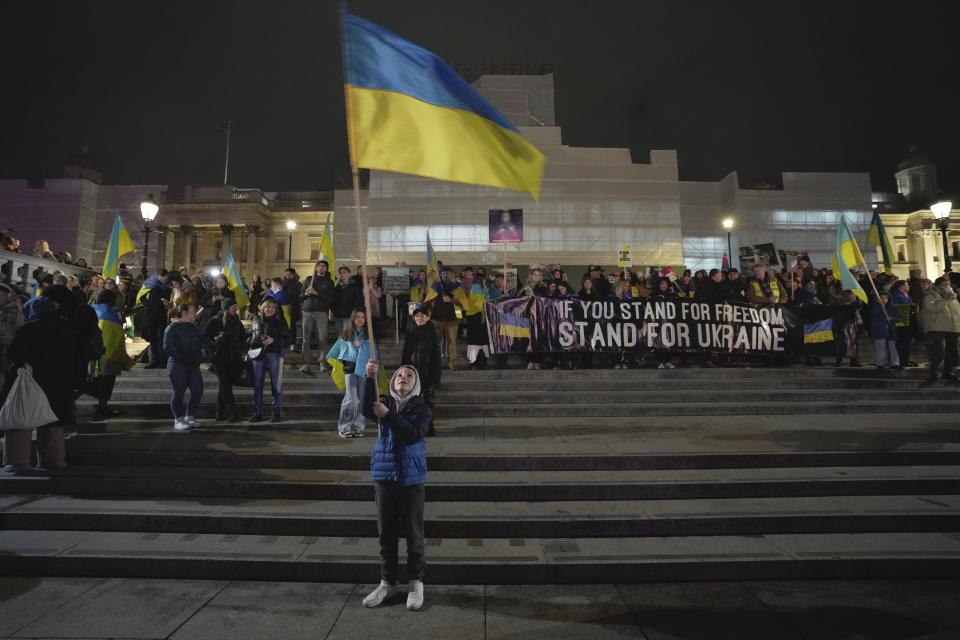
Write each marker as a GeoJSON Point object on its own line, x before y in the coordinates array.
{"type": "Point", "coordinates": [148, 211]}
{"type": "Point", "coordinates": [941, 213]}
{"type": "Point", "coordinates": [291, 227]}
{"type": "Point", "coordinates": [728, 225]}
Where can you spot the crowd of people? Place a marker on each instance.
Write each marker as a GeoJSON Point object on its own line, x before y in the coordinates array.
{"type": "Point", "coordinates": [191, 319]}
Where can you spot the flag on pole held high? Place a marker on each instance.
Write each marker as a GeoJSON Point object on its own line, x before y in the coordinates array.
{"type": "Point", "coordinates": [409, 112]}
{"type": "Point", "coordinates": [878, 236]}
{"type": "Point", "coordinates": [433, 270]}
{"type": "Point", "coordinates": [326, 246]}
{"type": "Point", "coordinates": [232, 275]}
{"type": "Point", "coordinates": [120, 243]}
{"type": "Point", "coordinates": [725, 263]}
{"type": "Point", "coordinates": [847, 256]}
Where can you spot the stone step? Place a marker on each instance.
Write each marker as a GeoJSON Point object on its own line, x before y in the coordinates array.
{"type": "Point", "coordinates": [465, 519]}
{"type": "Point", "coordinates": [484, 561]}
{"type": "Point", "coordinates": [732, 405]}
{"type": "Point", "coordinates": [453, 395]}
{"type": "Point", "coordinates": [490, 486]}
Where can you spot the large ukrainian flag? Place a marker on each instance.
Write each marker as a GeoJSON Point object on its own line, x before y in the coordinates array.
{"type": "Point", "coordinates": [119, 244]}
{"type": "Point", "coordinates": [846, 257]}
{"type": "Point", "coordinates": [878, 236]}
{"type": "Point", "coordinates": [409, 112]}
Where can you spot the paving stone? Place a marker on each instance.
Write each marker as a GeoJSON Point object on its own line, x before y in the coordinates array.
{"type": "Point", "coordinates": [255, 610]}
{"type": "Point", "coordinates": [706, 610]}
{"type": "Point", "coordinates": [448, 613]}
{"type": "Point", "coordinates": [24, 600]}
{"type": "Point", "coordinates": [575, 612]}
{"type": "Point", "coordinates": [125, 609]}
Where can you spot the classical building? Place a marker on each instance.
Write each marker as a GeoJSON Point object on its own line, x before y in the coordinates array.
{"type": "Point", "coordinates": [593, 200]}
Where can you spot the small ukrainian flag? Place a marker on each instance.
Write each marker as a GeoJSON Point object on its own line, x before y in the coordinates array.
{"type": "Point", "coordinates": [513, 326]}
{"type": "Point", "coordinates": [818, 332]}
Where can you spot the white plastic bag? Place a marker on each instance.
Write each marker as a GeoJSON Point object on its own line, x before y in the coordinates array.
{"type": "Point", "coordinates": [27, 406]}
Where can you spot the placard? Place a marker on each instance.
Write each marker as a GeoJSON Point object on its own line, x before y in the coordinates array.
{"type": "Point", "coordinates": [506, 226]}
{"type": "Point", "coordinates": [396, 281]}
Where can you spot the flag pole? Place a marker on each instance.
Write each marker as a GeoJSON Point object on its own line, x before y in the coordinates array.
{"type": "Point", "coordinates": [355, 172]}
{"type": "Point", "coordinates": [226, 162]}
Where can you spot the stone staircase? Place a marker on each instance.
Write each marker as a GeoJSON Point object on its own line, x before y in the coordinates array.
{"type": "Point", "coordinates": [535, 477]}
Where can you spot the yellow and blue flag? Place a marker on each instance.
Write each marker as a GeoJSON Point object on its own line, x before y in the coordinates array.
{"type": "Point", "coordinates": [326, 246]}
{"type": "Point", "coordinates": [114, 340]}
{"type": "Point", "coordinates": [120, 243]}
{"type": "Point", "coordinates": [433, 271]}
{"type": "Point", "coordinates": [514, 326]}
{"type": "Point", "coordinates": [878, 237]}
{"type": "Point", "coordinates": [232, 275]}
{"type": "Point", "coordinates": [409, 112]}
{"type": "Point", "coordinates": [817, 332]}
{"type": "Point", "coordinates": [846, 256]}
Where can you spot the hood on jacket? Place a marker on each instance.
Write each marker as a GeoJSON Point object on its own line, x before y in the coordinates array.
{"type": "Point", "coordinates": [37, 307]}
{"type": "Point", "coordinates": [402, 400]}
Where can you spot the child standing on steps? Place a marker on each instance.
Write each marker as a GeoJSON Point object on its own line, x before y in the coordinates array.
{"type": "Point", "coordinates": [350, 354]}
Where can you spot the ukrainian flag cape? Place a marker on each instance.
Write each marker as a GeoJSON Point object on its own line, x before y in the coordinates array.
{"type": "Point", "coordinates": [472, 302]}
{"type": "Point", "coordinates": [114, 341]}
{"type": "Point", "coordinates": [409, 112]}
{"type": "Point", "coordinates": [119, 244]}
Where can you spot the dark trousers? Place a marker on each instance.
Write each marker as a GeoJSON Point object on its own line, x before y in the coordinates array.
{"type": "Point", "coordinates": [400, 510]}
{"type": "Point", "coordinates": [226, 403]}
{"type": "Point", "coordinates": [105, 386]}
{"type": "Point", "coordinates": [183, 378]}
{"type": "Point", "coordinates": [903, 345]}
{"type": "Point", "coordinates": [942, 348]}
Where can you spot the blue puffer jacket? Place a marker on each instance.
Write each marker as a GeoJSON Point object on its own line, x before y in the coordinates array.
{"type": "Point", "coordinates": [880, 327]}
{"type": "Point", "coordinates": [400, 453]}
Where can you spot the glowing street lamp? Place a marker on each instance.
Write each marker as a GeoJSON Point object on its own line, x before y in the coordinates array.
{"type": "Point", "coordinates": [291, 227]}
{"type": "Point", "coordinates": [728, 225]}
{"type": "Point", "coordinates": [941, 213]}
{"type": "Point", "coordinates": [148, 211]}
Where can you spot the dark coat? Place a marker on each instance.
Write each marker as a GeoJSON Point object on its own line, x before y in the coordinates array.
{"type": "Point", "coordinates": [274, 327]}
{"type": "Point", "coordinates": [422, 351]}
{"type": "Point", "coordinates": [230, 340]}
{"type": "Point", "coordinates": [346, 299]}
{"type": "Point", "coordinates": [711, 292]}
{"type": "Point", "coordinates": [48, 344]}
{"type": "Point", "coordinates": [324, 298]}
{"type": "Point", "coordinates": [400, 452]}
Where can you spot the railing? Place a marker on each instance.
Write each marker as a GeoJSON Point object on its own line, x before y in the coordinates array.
{"type": "Point", "coordinates": [17, 268]}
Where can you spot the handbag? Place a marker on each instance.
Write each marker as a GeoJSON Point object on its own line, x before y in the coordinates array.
{"type": "Point", "coordinates": [254, 354]}
{"type": "Point", "coordinates": [245, 376]}
{"type": "Point", "coordinates": [26, 406]}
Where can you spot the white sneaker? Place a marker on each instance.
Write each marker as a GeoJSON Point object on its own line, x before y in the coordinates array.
{"type": "Point", "coordinates": [190, 420]}
{"type": "Point", "coordinates": [383, 591]}
{"type": "Point", "coordinates": [415, 597]}
{"type": "Point", "coordinates": [305, 369]}
{"type": "Point", "coordinates": [669, 365]}
{"type": "Point", "coordinates": [530, 366]}
{"type": "Point", "coordinates": [661, 366]}
{"type": "Point", "coordinates": [181, 425]}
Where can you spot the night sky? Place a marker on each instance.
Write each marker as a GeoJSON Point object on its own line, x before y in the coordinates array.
{"type": "Point", "coordinates": [758, 87]}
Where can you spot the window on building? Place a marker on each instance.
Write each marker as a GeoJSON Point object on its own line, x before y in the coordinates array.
{"type": "Point", "coordinates": [281, 252]}
{"type": "Point", "coordinates": [956, 250]}
{"type": "Point", "coordinates": [315, 247]}
{"type": "Point", "coordinates": [901, 253]}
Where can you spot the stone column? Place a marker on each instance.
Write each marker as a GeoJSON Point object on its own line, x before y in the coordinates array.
{"type": "Point", "coordinates": [250, 250]}
{"type": "Point", "coordinates": [227, 230]}
{"type": "Point", "coordinates": [186, 242]}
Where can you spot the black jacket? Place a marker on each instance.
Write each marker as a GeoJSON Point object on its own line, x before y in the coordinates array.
{"type": "Point", "coordinates": [422, 351]}
{"type": "Point", "coordinates": [711, 292]}
{"type": "Point", "coordinates": [230, 339]}
{"type": "Point", "coordinates": [49, 345]}
{"type": "Point", "coordinates": [274, 327]}
{"type": "Point", "coordinates": [326, 293]}
{"type": "Point", "coordinates": [346, 299]}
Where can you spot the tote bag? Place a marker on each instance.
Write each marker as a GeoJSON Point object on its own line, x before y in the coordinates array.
{"type": "Point", "coordinates": [26, 406]}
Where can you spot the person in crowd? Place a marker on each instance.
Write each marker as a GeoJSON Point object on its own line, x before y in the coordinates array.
{"type": "Point", "coordinates": [125, 297]}
{"type": "Point", "coordinates": [623, 359]}
{"type": "Point", "coordinates": [73, 284]}
{"type": "Point", "coordinates": [734, 287]}
{"type": "Point", "coordinates": [712, 291]}
{"type": "Point", "coordinates": [92, 290]}
{"type": "Point", "coordinates": [221, 291]}
{"type": "Point", "coordinates": [9, 322]}
{"type": "Point", "coordinates": [664, 291]}
{"type": "Point", "coordinates": [828, 290]}
{"type": "Point", "coordinates": [883, 329]}
{"type": "Point", "coordinates": [469, 298]}
{"type": "Point", "coordinates": [398, 467]}
{"type": "Point", "coordinates": [271, 334]}
{"type": "Point", "coordinates": [42, 250]}
{"type": "Point", "coordinates": [685, 287]}
{"type": "Point", "coordinates": [256, 293]}
{"type": "Point", "coordinates": [153, 317]}
{"type": "Point", "coordinates": [47, 343]}
{"type": "Point", "coordinates": [808, 293]}
{"type": "Point", "coordinates": [188, 295]}
{"type": "Point", "coordinates": [230, 345]}
{"type": "Point", "coordinates": [43, 281]}
{"type": "Point", "coordinates": [940, 315]}
{"type": "Point", "coordinates": [353, 352]}
{"type": "Point", "coordinates": [114, 360]}
{"type": "Point", "coordinates": [763, 288]}
{"type": "Point", "coordinates": [916, 288]}
{"type": "Point", "coordinates": [907, 324]}
{"type": "Point", "coordinates": [848, 333]}
{"type": "Point", "coordinates": [319, 293]}
{"type": "Point", "coordinates": [535, 285]}
{"type": "Point", "coordinates": [421, 350]}
{"type": "Point", "coordinates": [600, 283]}
{"type": "Point", "coordinates": [183, 346]}
{"type": "Point", "coordinates": [375, 293]}
{"type": "Point", "coordinates": [279, 295]}
{"type": "Point", "coordinates": [293, 288]}
{"type": "Point", "coordinates": [444, 313]}
{"type": "Point", "coordinates": [347, 297]}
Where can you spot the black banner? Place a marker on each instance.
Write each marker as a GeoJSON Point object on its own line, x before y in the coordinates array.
{"type": "Point", "coordinates": [531, 324]}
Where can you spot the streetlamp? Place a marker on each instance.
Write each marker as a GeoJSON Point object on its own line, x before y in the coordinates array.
{"type": "Point", "coordinates": [941, 213]}
{"type": "Point", "coordinates": [291, 227]}
{"type": "Point", "coordinates": [148, 211]}
{"type": "Point", "coordinates": [728, 225]}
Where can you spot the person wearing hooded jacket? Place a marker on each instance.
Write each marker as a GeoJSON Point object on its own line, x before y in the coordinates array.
{"type": "Point", "coordinates": [47, 343]}
{"type": "Point", "coordinates": [421, 350]}
{"type": "Point", "coordinates": [398, 467]}
{"type": "Point", "coordinates": [230, 340]}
